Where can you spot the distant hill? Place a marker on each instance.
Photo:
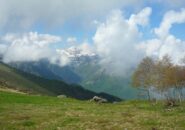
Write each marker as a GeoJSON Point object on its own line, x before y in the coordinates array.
{"type": "Point", "coordinates": [84, 72]}
{"type": "Point", "coordinates": [47, 70]}
{"type": "Point", "coordinates": [96, 79]}
{"type": "Point", "coordinates": [19, 80]}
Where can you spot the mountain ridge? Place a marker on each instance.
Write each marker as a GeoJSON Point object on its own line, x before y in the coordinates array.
{"type": "Point", "coordinates": [19, 80]}
{"type": "Point", "coordinates": [84, 69]}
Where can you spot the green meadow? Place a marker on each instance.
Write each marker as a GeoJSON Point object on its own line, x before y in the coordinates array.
{"type": "Point", "coordinates": [28, 112]}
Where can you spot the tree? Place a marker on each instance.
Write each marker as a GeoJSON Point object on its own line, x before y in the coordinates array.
{"type": "Point", "coordinates": [142, 77]}
{"type": "Point", "coordinates": [180, 81]}
{"type": "Point", "coordinates": [161, 74]}
{"type": "Point", "coordinates": [171, 76]}
{"type": "Point", "coordinates": [164, 72]}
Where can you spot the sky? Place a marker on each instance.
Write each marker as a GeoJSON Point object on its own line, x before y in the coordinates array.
{"type": "Point", "coordinates": [120, 32]}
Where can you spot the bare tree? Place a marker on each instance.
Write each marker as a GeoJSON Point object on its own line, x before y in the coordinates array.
{"type": "Point", "coordinates": [179, 81]}
{"type": "Point", "coordinates": [162, 75]}
{"type": "Point", "coordinates": [142, 77]}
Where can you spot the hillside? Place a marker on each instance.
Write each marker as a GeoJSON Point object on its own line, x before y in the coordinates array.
{"type": "Point", "coordinates": [18, 80]}
{"type": "Point", "coordinates": [84, 72]}
{"type": "Point", "coordinates": [23, 112]}
{"type": "Point", "coordinates": [45, 69]}
{"type": "Point", "coordinates": [11, 78]}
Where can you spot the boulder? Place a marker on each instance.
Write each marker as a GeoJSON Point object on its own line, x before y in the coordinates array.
{"type": "Point", "coordinates": [61, 96]}
{"type": "Point", "coordinates": [99, 99]}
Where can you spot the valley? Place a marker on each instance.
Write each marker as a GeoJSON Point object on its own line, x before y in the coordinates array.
{"type": "Point", "coordinates": [85, 71]}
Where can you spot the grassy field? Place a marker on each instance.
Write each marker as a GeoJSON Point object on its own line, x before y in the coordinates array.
{"type": "Point", "coordinates": [25, 112]}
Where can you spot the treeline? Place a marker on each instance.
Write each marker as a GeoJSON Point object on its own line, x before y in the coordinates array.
{"type": "Point", "coordinates": [162, 75]}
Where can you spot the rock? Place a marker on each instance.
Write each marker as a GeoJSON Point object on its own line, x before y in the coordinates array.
{"type": "Point", "coordinates": [61, 96]}
{"type": "Point", "coordinates": [115, 102]}
{"type": "Point", "coordinates": [99, 99]}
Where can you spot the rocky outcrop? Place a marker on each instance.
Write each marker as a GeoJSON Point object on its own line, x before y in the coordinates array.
{"type": "Point", "coordinates": [98, 99]}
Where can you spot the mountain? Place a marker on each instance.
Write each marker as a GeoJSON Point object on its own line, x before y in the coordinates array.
{"type": "Point", "coordinates": [84, 69]}
{"type": "Point", "coordinates": [47, 70]}
{"type": "Point", "coordinates": [25, 82]}
{"type": "Point", "coordinates": [95, 78]}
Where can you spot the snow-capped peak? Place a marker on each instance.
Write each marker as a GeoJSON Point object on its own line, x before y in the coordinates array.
{"type": "Point", "coordinates": [78, 51]}
{"type": "Point", "coordinates": [76, 55]}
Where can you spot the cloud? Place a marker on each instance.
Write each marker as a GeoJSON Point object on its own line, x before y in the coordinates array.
{"type": "Point", "coordinates": [116, 41]}
{"type": "Point", "coordinates": [64, 57]}
{"type": "Point", "coordinates": [71, 40]}
{"type": "Point", "coordinates": [170, 18]}
{"type": "Point", "coordinates": [173, 47]}
{"type": "Point", "coordinates": [3, 48]}
{"type": "Point", "coordinates": [121, 45]}
{"type": "Point", "coordinates": [83, 49]}
{"type": "Point", "coordinates": [166, 43]}
{"type": "Point", "coordinates": [142, 18]}
{"type": "Point", "coordinates": [18, 13]}
{"type": "Point", "coordinates": [86, 49]}
{"type": "Point", "coordinates": [60, 58]}
{"type": "Point", "coordinates": [27, 47]}
{"type": "Point", "coordinates": [150, 47]}
{"type": "Point", "coordinates": [34, 47]}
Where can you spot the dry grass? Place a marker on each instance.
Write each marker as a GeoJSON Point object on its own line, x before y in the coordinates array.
{"type": "Point", "coordinates": [5, 89]}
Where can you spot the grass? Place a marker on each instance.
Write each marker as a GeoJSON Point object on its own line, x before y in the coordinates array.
{"type": "Point", "coordinates": [26, 112]}
{"type": "Point", "coordinates": [12, 79]}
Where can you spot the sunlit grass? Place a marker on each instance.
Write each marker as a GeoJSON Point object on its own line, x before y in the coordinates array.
{"type": "Point", "coordinates": [20, 111]}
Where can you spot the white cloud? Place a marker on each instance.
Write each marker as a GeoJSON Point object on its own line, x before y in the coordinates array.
{"type": "Point", "coordinates": [71, 40]}
{"type": "Point", "coordinates": [170, 18]}
{"type": "Point", "coordinates": [60, 58]}
{"type": "Point", "coordinates": [116, 40]}
{"type": "Point", "coordinates": [86, 49]}
{"type": "Point", "coordinates": [64, 56]}
{"type": "Point", "coordinates": [166, 43]}
{"type": "Point", "coordinates": [151, 47]}
{"type": "Point", "coordinates": [20, 13]}
{"type": "Point", "coordinates": [3, 48]}
{"type": "Point", "coordinates": [142, 18]}
{"type": "Point", "coordinates": [28, 47]}
{"type": "Point", "coordinates": [173, 47]}
{"type": "Point", "coordinates": [34, 47]}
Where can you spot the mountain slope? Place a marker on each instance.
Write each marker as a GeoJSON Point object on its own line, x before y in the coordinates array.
{"type": "Point", "coordinates": [83, 69]}
{"type": "Point", "coordinates": [88, 74]}
{"type": "Point", "coordinates": [25, 82]}
{"type": "Point", "coordinates": [96, 79]}
{"type": "Point", "coordinates": [50, 71]}
{"type": "Point", "coordinates": [12, 79]}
